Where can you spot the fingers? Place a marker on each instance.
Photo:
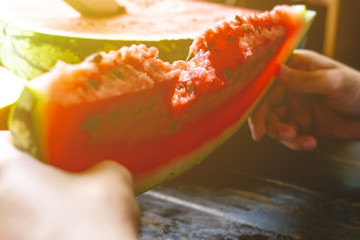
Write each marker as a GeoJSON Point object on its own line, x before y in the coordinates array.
{"type": "Point", "coordinates": [288, 134]}
{"type": "Point", "coordinates": [287, 114]}
{"type": "Point", "coordinates": [110, 184]}
{"type": "Point", "coordinates": [108, 168]}
{"type": "Point", "coordinates": [301, 112]}
{"type": "Point", "coordinates": [310, 72]}
{"type": "Point", "coordinates": [308, 60]}
{"type": "Point", "coordinates": [108, 173]}
{"type": "Point", "coordinates": [280, 130]}
{"type": "Point", "coordinates": [285, 117]}
{"type": "Point", "coordinates": [257, 122]}
{"type": "Point", "coordinates": [301, 143]}
{"type": "Point", "coordinates": [306, 82]}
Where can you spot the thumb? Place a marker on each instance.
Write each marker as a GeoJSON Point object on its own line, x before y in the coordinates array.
{"type": "Point", "coordinates": [303, 81]}
{"type": "Point", "coordinates": [109, 171]}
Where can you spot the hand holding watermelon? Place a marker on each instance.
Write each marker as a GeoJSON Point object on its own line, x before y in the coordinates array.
{"type": "Point", "coordinates": [315, 97]}
{"type": "Point", "coordinates": [38, 201]}
{"type": "Point", "coordinates": [156, 118]}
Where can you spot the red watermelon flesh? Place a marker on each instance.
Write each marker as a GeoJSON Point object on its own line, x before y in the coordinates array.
{"type": "Point", "coordinates": [157, 119]}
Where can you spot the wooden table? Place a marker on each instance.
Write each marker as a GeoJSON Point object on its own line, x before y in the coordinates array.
{"type": "Point", "coordinates": [260, 191]}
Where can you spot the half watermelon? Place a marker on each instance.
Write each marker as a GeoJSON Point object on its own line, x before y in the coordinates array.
{"type": "Point", "coordinates": [156, 118]}
{"type": "Point", "coordinates": [35, 34]}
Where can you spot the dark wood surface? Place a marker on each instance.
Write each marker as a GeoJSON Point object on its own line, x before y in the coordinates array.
{"type": "Point", "coordinates": [260, 191]}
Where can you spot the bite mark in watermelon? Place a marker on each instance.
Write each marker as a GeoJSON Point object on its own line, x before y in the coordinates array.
{"type": "Point", "coordinates": [157, 119]}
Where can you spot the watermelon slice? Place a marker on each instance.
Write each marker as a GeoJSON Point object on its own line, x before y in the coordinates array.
{"type": "Point", "coordinates": [156, 118]}
{"type": "Point", "coordinates": [35, 34]}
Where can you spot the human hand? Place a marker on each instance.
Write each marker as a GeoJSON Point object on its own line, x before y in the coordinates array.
{"type": "Point", "coordinates": [315, 96]}
{"type": "Point", "coordinates": [39, 202]}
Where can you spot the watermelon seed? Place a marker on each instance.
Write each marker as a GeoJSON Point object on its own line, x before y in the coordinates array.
{"type": "Point", "coordinates": [255, 64]}
{"type": "Point", "coordinates": [97, 58]}
{"type": "Point", "coordinates": [114, 115]}
{"type": "Point", "coordinates": [270, 53]}
{"type": "Point", "coordinates": [140, 109]}
{"type": "Point", "coordinates": [190, 87]}
{"type": "Point", "coordinates": [230, 38]}
{"type": "Point", "coordinates": [228, 74]}
{"type": "Point", "coordinates": [238, 72]}
{"type": "Point", "coordinates": [238, 19]}
{"type": "Point", "coordinates": [93, 84]}
{"type": "Point", "coordinates": [121, 9]}
{"type": "Point", "coordinates": [4, 31]}
{"type": "Point", "coordinates": [117, 73]}
{"type": "Point", "coordinates": [245, 27]}
{"type": "Point", "coordinates": [259, 30]}
{"type": "Point", "coordinates": [92, 123]}
{"type": "Point", "coordinates": [175, 126]}
{"type": "Point", "coordinates": [211, 46]}
{"type": "Point", "coordinates": [179, 87]}
{"type": "Point", "coordinates": [151, 106]}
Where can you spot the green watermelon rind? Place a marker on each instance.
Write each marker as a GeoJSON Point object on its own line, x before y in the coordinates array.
{"type": "Point", "coordinates": [184, 163]}
{"type": "Point", "coordinates": [29, 52]}
{"type": "Point", "coordinates": [9, 93]}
